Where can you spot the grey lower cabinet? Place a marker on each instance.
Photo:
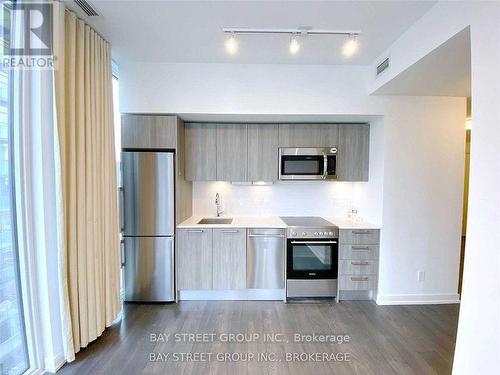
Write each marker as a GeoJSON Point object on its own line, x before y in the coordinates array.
{"type": "Point", "coordinates": [308, 135]}
{"type": "Point", "coordinates": [229, 259]}
{"type": "Point", "coordinates": [194, 257]}
{"type": "Point", "coordinates": [149, 131]}
{"type": "Point", "coordinates": [231, 152]}
{"type": "Point", "coordinates": [262, 152]}
{"type": "Point", "coordinates": [210, 259]}
{"type": "Point", "coordinates": [353, 152]}
{"type": "Point", "coordinates": [201, 152]}
{"type": "Point", "coordinates": [358, 263]}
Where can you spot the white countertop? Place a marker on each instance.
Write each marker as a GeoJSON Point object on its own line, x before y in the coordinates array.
{"type": "Point", "coordinates": [270, 222]}
{"type": "Point", "coordinates": [238, 222]}
{"type": "Point", "coordinates": [344, 223]}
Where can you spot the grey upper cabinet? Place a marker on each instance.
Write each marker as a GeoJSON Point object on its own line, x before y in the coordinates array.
{"type": "Point", "coordinates": [231, 152]}
{"type": "Point", "coordinates": [201, 152]}
{"type": "Point", "coordinates": [308, 135]}
{"type": "Point", "coordinates": [194, 259]}
{"type": "Point", "coordinates": [262, 152]}
{"type": "Point", "coordinates": [353, 152]}
{"type": "Point", "coordinates": [229, 258]}
{"type": "Point", "coordinates": [241, 152]}
{"type": "Point", "coordinates": [149, 131]}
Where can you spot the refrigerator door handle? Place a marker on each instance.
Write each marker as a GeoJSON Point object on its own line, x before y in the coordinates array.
{"type": "Point", "coordinates": [121, 202]}
{"type": "Point", "coordinates": [122, 253]}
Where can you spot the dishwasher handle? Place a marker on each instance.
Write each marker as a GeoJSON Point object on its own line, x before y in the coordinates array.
{"type": "Point", "coordinates": [267, 235]}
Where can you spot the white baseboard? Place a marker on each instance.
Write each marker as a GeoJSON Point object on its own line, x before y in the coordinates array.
{"type": "Point", "coordinates": [52, 365]}
{"type": "Point", "coordinates": [417, 299]}
{"type": "Point", "coordinates": [34, 371]}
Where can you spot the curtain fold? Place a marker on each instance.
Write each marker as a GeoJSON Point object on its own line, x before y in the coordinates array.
{"type": "Point", "coordinates": [89, 259]}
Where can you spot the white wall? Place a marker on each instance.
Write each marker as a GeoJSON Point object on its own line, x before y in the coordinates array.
{"type": "Point", "coordinates": [428, 196]}
{"type": "Point", "coordinates": [423, 187]}
{"type": "Point", "coordinates": [244, 89]}
{"type": "Point", "coordinates": [478, 336]}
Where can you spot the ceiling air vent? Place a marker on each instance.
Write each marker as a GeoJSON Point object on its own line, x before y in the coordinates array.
{"type": "Point", "coordinates": [87, 8]}
{"type": "Point", "coordinates": [382, 66]}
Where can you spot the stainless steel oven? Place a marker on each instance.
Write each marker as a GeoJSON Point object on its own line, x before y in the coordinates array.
{"type": "Point", "coordinates": [307, 163]}
{"type": "Point", "coordinates": [312, 268]}
{"type": "Point", "coordinates": [311, 257]}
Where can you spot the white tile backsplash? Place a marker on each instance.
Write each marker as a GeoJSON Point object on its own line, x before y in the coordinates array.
{"type": "Point", "coordinates": [322, 198]}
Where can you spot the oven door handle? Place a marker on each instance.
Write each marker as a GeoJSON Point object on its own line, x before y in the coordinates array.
{"type": "Point", "coordinates": [312, 242]}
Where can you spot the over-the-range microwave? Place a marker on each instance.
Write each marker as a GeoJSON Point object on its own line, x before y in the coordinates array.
{"type": "Point", "coordinates": [307, 163]}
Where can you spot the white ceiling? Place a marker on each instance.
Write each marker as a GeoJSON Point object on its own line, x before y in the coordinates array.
{"type": "Point", "coordinates": [446, 71]}
{"type": "Point", "coordinates": [190, 31]}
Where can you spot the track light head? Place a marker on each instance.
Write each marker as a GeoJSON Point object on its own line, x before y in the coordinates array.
{"type": "Point", "coordinates": [294, 45]}
{"type": "Point", "coordinates": [350, 46]}
{"type": "Point", "coordinates": [231, 44]}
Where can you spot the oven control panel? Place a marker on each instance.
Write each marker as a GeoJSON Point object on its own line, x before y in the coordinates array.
{"type": "Point", "coordinates": [323, 232]}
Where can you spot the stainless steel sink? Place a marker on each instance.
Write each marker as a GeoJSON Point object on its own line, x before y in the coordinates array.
{"type": "Point", "coordinates": [215, 220]}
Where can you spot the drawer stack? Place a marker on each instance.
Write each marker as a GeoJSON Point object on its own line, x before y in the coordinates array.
{"type": "Point", "coordinates": [358, 263]}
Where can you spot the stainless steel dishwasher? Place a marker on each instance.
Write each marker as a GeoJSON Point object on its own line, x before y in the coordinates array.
{"type": "Point", "coordinates": [266, 258]}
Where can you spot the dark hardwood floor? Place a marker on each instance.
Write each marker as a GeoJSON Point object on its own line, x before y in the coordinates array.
{"type": "Point", "coordinates": [382, 339]}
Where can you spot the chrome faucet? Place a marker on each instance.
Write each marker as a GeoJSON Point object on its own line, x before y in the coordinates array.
{"type": "Point", "coordinates": [218, 205]}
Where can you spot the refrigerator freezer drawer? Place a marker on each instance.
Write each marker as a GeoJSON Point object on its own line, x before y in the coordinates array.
{"type": "Point", "coordinates": [149, 269]}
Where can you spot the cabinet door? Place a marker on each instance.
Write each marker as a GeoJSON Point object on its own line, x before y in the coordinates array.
{"type": "Point", "coordinates": [308, 135]}
{"type": "Point", "coordinates": [353, 152]}
{"type": "Point", "coordinates": [232, 152]}
{"type": "Point", "coordinates": [229, 258]}
{"type": "Point", "coordinates": [262, 152]}
{"type": "Point", "coordinates": [194, 259]}
{"type": "Point", "coordinates": [149, 132]}
{"type": "Point", "coordinates": [201, 152]}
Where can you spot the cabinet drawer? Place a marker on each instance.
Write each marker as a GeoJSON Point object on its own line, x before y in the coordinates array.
{"type": "Point", "coordinates": [358, 267]}
{"type": "Point", "coordinates": [359, 236]}
{"type": "Point", "coordinates": [355, 282]}
{"type": "Point", "coordinates": [358, 252]}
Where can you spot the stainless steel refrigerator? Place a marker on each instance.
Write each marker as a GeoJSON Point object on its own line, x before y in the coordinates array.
{"type": "Point", "coordinates": [148, 221]}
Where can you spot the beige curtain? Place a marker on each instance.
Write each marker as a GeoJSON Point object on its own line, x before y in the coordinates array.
{"type": "Point", "coordinates": [89, 260]}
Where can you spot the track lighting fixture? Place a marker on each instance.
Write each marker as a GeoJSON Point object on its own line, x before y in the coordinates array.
{"type": "Point", "coordinates": [349, 48]}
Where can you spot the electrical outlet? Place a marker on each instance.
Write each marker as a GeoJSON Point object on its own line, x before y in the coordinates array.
{"type": "Point", "coordinates": [421, 275]}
